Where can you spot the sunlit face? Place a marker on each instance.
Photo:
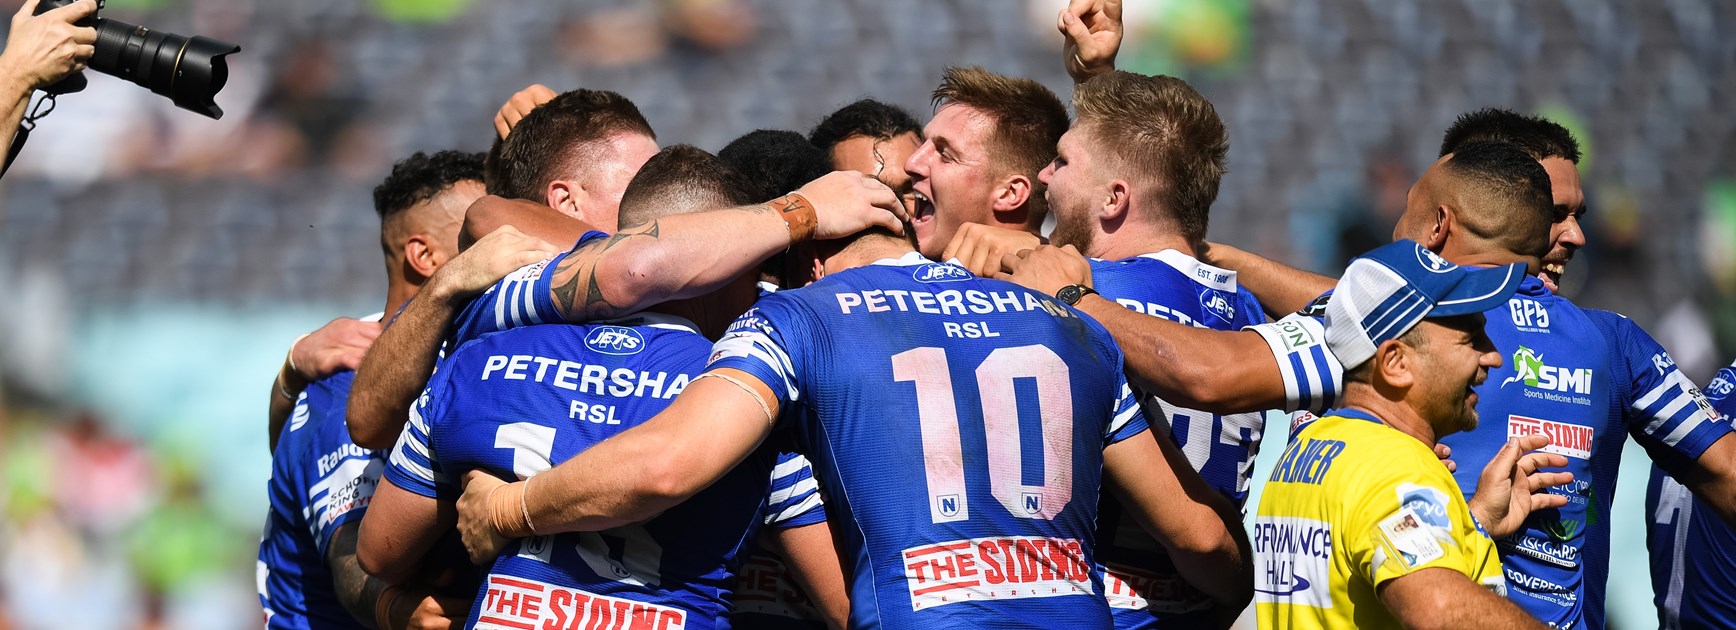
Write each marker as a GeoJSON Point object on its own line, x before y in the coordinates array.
{"type": "Point", "coordinates": [1075, 188]}
{"type": "Point", "coordinates": [953, 176]}
{"type": "Point", "coordinates": [880, 158]}
{"type": "Point", "coordinates": [1565, 235]}
{"type": "Point", "coordinates": [1455, 356]}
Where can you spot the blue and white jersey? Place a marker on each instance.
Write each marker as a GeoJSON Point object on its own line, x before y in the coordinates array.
{"type": "Point", "coordinates": [1587, 379]}
{"type": "Point", "coordinates": [514, 404]}
{"type": "Point", "coordinates": [957, 426]}
{"type": "Point", "coordinates": [767, 594]}
{"type": "Point", "coordinates": [1690, 544]}
{"type": "Point", "coordinates": [524, 297]}
{"type": "Point", "coordinates": [1313, 377]}
{"type": "Point", "coordinates": [320, 481]}
{"type": "Point", "coordinates": [1174, 286]}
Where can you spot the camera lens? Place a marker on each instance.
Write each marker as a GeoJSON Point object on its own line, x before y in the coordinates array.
{"type": "Point", "coordinates": [190, 71]}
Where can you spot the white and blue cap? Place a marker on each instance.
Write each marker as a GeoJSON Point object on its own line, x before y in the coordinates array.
{"type": "Point", "coordinates": [1385, 292]}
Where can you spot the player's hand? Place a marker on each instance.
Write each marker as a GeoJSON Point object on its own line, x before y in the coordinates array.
{"type": "Point", "coordinates": [43, 49]}
{"type": "Point", "coordinates": [520, 104]}
{"type": "Point", "coordinates": [337, 346]}
{"type": "Point", "coordinates": [847, 202]}
{"type": "Point", "coordinates": [482, 542]}
{"type": "Point", "coordinates": [1046, 269]}
{"type": "Point", "coordinates": [433, 612]}
{"type": "Point", "coordinates": [1446, 453]}
{"type": "Point", "coordinates": [1093, 32]}
{"type": "Point", "coordinates": [980, 248]}
{"type": "Point", "coordinates": [501, 252]}
{"type": "Point", "coordinates": [1511, 488]}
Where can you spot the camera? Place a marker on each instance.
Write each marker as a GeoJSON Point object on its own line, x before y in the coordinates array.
{"type": "Point", "coordinates": [188, 70]}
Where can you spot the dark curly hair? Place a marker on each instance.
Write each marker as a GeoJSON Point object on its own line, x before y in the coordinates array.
{"type": "Point", "coordinates": [421, 176]}
{"type": "Point", "coordinates": [866, 117]}
{"type": "Point", "coordinates": [775, 161]}
{"type": "Point", "coordinates": [1538, 137]}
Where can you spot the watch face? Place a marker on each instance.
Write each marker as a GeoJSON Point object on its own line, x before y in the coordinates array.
{"type": "Point", "coordinates": [1069, 294]}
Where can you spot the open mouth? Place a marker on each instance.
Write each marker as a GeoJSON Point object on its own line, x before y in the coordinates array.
{"type": "Point", "coordinates": [1551, 273]}
{"type": "Point", "coordinates": [922, 210]}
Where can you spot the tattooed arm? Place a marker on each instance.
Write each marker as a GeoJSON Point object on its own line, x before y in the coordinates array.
{"type": "Point", "coordinates": [687, 255]}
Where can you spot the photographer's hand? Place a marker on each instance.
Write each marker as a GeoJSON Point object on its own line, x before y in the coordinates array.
{"type": "Point", "coordinates": [40, 50]}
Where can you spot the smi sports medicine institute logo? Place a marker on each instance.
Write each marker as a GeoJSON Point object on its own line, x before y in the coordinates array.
{"type": "Point", "coordinates": [1569, 385]}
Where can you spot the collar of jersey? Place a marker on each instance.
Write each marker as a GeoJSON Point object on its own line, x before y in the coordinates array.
{"type": "Point", "coordinates": [1355, 414]}
{"type": "Point", "coordinates": [1532, 287]}
{"type": "Point", "coordinates": [1188, 265]}
{"type": "Point", "coordinates": [911, 259]}
{"type": "Point", "coordinates": [375, 317]}
{"type": "Point", "coordinates": [654, 320]}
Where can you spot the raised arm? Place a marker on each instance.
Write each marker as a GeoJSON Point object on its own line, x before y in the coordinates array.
{"type": "Point", "coordinates": [398, 364]}
{"type": "Point", "coordinates": [1209, 370]}
{"type": "Point", "coordinates": [41, 50]}
{"type": "Point", "coordinates": [1444, 598]}
{"type": "Point", "coordinates": [491, 213]}
{"type": "Point", "coordinates": [632, 477]}
{"type": "Point", "coordinates": [687, 255]}
{"type": "Point", "coordinates": [1092, 29]}
{"type": "Point", "coordinates": [1198, 527]}
{"type": "Point", "coordinates": [1282, 289]}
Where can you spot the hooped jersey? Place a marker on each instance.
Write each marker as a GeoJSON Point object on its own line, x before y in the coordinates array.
{"type": "Point", "coordinates": [1691, 544]}
{"type": "Point", "coordinates": [514, 404]}
{"type": "Point", "coordinates": [1587, 379]}
{"type": "Point", "coordinates": [1174, 286]}
{"type": "Point", "coordinates": [1351, 504]}
{"type": "Point", "coordinates": [320, 481]}
{"type": "Point", "coordinates": [767, 594]}
{"type": "Point", "coordinates": [957, 426]}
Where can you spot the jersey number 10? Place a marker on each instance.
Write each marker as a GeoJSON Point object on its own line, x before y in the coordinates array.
{"type": "Point", "coordinates": [942, 453]}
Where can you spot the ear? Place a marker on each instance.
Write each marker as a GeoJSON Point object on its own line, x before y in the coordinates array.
{"type": "Point", "coordinates": [1444, 224]}
{"type": "Point", "coordinates": [422, 255]}
{"type": "Point", "coordinates": [1117, 200]}
{"type": "Point", "coordinates": [1396, 364]}
{"type": "Point", "coordinates": [1011, 195]}
{"type": "Point", "coordinates": [564, 195]}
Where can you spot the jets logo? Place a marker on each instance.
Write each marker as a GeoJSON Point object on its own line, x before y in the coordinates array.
{"type": "Point", "coordinates": [1218, 304]}
{"type": "Point", "coordinates": [1432, 261]}
{"type": "Point", "coordinates": [615, 340]}
{"type": "Point", "coordinates": [937, 272]}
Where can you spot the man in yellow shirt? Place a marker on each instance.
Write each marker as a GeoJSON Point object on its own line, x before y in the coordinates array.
{"type": "Point", "coordinates": [1360, 525]}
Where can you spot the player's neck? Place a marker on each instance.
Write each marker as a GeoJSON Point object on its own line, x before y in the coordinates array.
{"type": "Point", "coordinates": [399, 291]}
{"type": "Point", "coordinates": [864, 251]}
{"type": "Point", "coordinates": [1394, 413]}
{"type": "Point", "coordinates": [1132, 241]}
{"type": "Point", "coordinates": [1481, 257]}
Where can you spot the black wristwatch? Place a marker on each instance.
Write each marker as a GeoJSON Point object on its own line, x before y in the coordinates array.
{"type": "Point", "coordinates": [1072, 293]}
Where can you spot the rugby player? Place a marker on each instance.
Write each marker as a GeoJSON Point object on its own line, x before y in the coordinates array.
{"type": "Point", "coordinates": [1689, 544]}
{"type": "Point", "coordinates": [949, 514]}
{"type": "Point", "coordinates": [1132, 187]}
{"type": "Point", "coordinates": [1359, 525]}
{"type": "Point", "coordinates": [1588, 378]}
{"type": "Point", "coordinates": [321, 483]}
{"type": "Point", "coordinates": [871, 137]}
{"type": "Point", "coordinates": [496, 405]}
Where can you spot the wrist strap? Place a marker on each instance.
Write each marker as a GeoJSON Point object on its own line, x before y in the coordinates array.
{"type": "Point", "coordinates": [291, 358]}
{"type": "Point", "coordinates": [798, 215]}
{"type": "Point", "coordinates": [509, 517]}
{"type": "Point", "coordinates": [383, 607]}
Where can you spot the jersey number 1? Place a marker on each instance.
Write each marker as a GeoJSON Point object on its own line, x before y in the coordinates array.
{"type": "Point", "coordinates": [624, 554]}
{"type": "Point", "coordinates": [943, 455]}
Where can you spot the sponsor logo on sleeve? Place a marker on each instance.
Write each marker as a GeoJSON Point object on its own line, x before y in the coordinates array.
{"type": "Point", "coordinates": [1296, 336]}
{"type": "Point", "coordinates": [1554, 552]}
{"type": "Point", "coordinates": [615, 340]}
{"type": "Point", "coordinates": [996, 568]}
{"type": "Point", "coordinates": [1428, 503]}
{"type": "Point", "coordinates": [302, 409]}
{"type": "Point", "coordinates": [1292, 561]}
{"type": "Point", "coordinates": [1565, 438]}
{"type": "Point", "coordinates": [514, 603]}
{"type": "Point", "coordinates": [1721, 387]}
{"type": "Point", "coordinates": [940, 272]}
{"type": "Point", "coordinates": [1663, 363]}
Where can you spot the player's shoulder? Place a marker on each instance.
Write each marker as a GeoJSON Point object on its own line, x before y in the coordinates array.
{"type": "Point", "coordinates": [1373, 445]}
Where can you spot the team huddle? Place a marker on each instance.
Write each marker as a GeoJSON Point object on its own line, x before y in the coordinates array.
{"type": "Point", "coordinates": [842, 379]}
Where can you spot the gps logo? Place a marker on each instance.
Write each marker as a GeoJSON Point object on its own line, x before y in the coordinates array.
{"type": "Point", "coordinates": [615, 340]}
{"type": "Point", "coordinates": [1432, 261]}
{"type": "Point", "coordinates": [1215, 302]}
{"type": "Point", "coordinates": [938, 272]}
{"type": "Point", "coordinates": [1528, 313]}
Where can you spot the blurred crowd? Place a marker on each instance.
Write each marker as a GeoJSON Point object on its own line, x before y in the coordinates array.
{"type": "Point", "coordinates": [121, 201]}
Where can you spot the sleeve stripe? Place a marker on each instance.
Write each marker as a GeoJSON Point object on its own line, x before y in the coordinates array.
{"type": "Point", "coordinates": [1126, 407]}
{"type": "Point", "coordinates": [1674, 381]}
{"type": "Point", "coordinates": [419, 471]}
{"type": "Point", "coordinates": [500, 308]}
{"type": "Point", "coordinates": [530, 294]}
{"type": "Point", "coordinates": [789, 467]}
{"type": "Point", "coordinates": [782, 496]}
{"type": "Point", "coordinates": [1298, 383]}
{"type": "Point", "coordinates": [808, 504]}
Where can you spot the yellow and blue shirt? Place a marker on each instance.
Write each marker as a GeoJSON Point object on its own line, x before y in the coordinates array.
{"type": "Point", "coordinates": [1351, 504]}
